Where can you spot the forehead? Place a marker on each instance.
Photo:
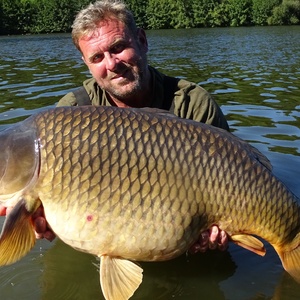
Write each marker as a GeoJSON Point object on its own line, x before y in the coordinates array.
{"type": "Point", "coordinates": [106, 33]}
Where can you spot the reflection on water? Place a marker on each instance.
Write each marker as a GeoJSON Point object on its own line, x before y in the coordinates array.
{"type": "Point", "coordinates": [61, 273]}
{"type": "Point", "coordinates": [69, 273]}
{"type": "Point", "coordinates": [254, 75]}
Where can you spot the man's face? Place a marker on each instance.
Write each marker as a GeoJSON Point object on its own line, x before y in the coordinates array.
{"type": "Point", "coordinates": [116, 60]}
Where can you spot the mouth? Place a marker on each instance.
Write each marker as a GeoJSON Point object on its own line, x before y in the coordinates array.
{"type": "Point", "coordinates": [120, 76]}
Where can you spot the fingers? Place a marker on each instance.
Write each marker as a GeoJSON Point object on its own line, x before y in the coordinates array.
{"type": "Point", "coordinates": [202, 244]}
{"type": "Point", "coordinates": [223, 241]}
{"type": "Point", "coordinates": [218, 239]}
{"type": "Point", "coordinates": [214, 238]}
{"type": "Point", "coordinates": [42, 229]}
{"type": "Point", "coordinates": [40, 225]}
{"type": "Point", "coordinates": [2, 210]}
{"type": "Point", "coordinates": [49, 235]}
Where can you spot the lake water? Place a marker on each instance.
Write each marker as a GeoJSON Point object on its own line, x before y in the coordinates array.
{"type": "Point", "coordinates": [253, 74]}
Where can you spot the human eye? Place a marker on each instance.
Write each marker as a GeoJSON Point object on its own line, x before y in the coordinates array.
{"type": "Point", "coordinates": [118, 48]}
{"type": "Point", "coordinates": [96, 58]}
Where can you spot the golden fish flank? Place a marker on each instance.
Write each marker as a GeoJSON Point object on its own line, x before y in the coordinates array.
{"type": "Point", "coordinates": [139, 185]}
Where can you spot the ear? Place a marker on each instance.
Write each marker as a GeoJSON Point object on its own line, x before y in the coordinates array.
{"type": "Point", "coordinates": [142, 39]}
{"type": "Point", "coordinates": [82, 57]}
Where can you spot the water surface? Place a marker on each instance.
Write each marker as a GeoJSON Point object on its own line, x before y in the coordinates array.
{"type": "Point", "coordinates": [253, 74]}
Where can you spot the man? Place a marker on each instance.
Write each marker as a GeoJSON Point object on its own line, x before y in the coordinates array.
{"type": "Point", "coordinates": [114, 50]}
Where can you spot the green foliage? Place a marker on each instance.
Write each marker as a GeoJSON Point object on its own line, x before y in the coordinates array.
{"type": "Point", "coordinates": [220, 16]}
{"type": "Point", "coordinates": [38, 16]}
{"type": "Point", "coordinates": [54, 16]}
{"type": "Point", "coordinates": [158, 14]}
{"type": "Point", "coordinates": [262, 10]}
{"type": "Point", "coordinates": [138, 8]}
{"type": "Point", "coordinates": [168, 14]}
{"type": "Point", "coordinates": [12, 19]}
{"type": "Point", "coordinates": [239, 12]}
{"type": "Point", "coordinates": [205, 12]}
{"type": "Point", "coordinates": [180, 12]}
{"type": "Point", "coordinates": [46, 16]}
{"type": "Point", "coordinates": [287, 13]}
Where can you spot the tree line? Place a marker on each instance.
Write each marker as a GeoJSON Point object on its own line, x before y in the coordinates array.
{"type": "Point", "coordinates": [48, 16]}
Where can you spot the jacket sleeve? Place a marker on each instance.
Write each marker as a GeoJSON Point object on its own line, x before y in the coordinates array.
{"type": "Point", "coordinates": [193, 102]}
{"type": "Point", "coordinates": [67, 100]}
{"type": "Point", "coordinates": [88, 94]}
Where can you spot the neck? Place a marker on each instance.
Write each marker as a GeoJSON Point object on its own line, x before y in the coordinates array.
{"type": "Point", "coordinates": [142, 100]}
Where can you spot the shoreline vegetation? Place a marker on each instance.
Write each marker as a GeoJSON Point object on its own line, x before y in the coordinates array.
{"type": "Point", "coordinates": [56, 16]}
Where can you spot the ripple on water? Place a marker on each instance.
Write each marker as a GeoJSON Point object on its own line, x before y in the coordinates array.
{"type": "Point", "coordinates": [22, 279]}
{"type": "Point", "coordinates": [253, 74]}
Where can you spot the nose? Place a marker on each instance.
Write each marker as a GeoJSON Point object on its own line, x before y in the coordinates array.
{"type": "Point", "coordinates": [111, 61]}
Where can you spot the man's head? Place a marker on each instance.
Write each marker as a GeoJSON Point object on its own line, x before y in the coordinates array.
{"type": "Point", "coordinates": [114, 50]}
{"type": "Point", "coordinates": [88, 19]}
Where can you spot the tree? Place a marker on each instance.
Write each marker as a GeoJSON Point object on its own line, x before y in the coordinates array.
{"type": "Point", "coordinates": [203, 12]}
{"type": "Point", "coordinates": [220, 16]}
{"type": "Point", "coordinates": [181, 16]}
{"type": "Point", "coordinates": [1, 18]}
{"type": "Point", "coordinates": [47, 16]}
{"type": "Point", "coordinates": [287, 13]}
{"type": "Point", "coordinates": [158, 14]}
{"type": "Point", "coordinates": [138, 8]}
{"type": "Point", "coordinates": [27, 15]}
{"type": "Point", "coordinates": [54, 16]}
{"type": "Point", "coordinates": [262, 10]}
{"type": "Point", "coordinates": [10, 11]}
{"type": "Point", "coordinates": [239, 12]}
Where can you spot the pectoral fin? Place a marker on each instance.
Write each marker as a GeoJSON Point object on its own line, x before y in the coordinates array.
{"type": "Point", "coordinates": [17, 236]}
{"type": "Point", "coordinates": [119, 278]}
{"type": "Point", "coordinates": [249, 242]}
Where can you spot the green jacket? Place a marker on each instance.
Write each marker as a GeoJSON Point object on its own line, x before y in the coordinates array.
{"type": "Point", "coordinates": [185, 99]}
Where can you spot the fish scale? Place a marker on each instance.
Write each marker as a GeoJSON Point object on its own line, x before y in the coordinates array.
{"type": "Point", "coordinates": [116, 156]}
{"type": "Point", "coordinates": [141, 185]}
{"type": "Point", "coordinates": [141, 188]}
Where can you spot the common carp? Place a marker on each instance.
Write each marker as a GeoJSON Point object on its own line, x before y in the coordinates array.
{"type": "Point", "coordinates": [132, 185]}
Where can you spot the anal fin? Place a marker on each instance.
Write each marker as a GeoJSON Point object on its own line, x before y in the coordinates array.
{"type": "Point", "coordinates": [119, 278]}
{"type": "Point", "coordinates": [17, 236]}
{"type": "Point", "coordinates": [249, 242]}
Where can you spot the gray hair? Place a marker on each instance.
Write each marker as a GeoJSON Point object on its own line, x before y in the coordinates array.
{"type": "Point", "coordinates": [87, 20]}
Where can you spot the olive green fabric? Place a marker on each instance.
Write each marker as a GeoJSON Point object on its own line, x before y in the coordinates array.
{"type": "Point", "coordinates": [188, 100]}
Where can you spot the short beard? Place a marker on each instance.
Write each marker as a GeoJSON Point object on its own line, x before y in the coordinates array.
{"type": "Point", "coordinates": [127, 95]}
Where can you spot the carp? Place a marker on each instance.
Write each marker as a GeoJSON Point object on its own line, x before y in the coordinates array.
{"type": "Point", "coordinates": [127, 184]}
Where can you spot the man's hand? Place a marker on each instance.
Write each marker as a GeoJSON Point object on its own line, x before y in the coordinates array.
{"type": "Point", "coordinates": [214, 238]}
{"type": "Point", "coordinates": [42, 229]}
{"type": "Point", "coordinates": [2, 210]}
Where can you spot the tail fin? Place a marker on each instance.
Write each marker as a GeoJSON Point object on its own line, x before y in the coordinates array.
{"type": "Point", "coordinates": [290, 258]}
